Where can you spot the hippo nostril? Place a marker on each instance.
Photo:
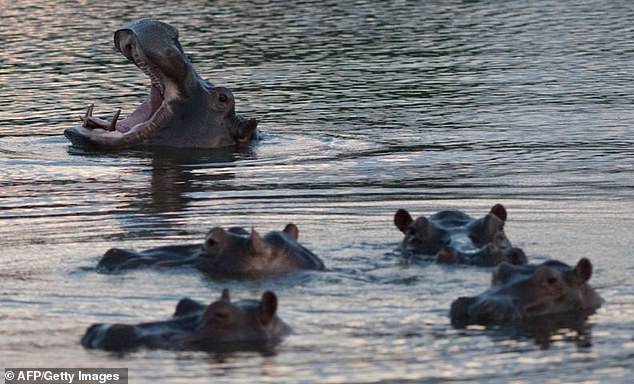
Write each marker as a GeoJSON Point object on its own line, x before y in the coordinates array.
{"type": "Point", "coordinates": [517, 256]}
{"type": "Point", "coordinates": [128, 49]}
{"type": "Point", "coordinates": [551, 280]}
{"type": "Point", "coordinates": [222, 315]}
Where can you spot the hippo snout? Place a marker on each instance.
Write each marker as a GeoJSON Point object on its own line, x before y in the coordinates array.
{"type": "Point", "coordinates": [113, 258]}
{"type": "Point", "coordinates": [517, 256]}
{"type": "Point", "coordinates": [116, 337]}
{"type": "Point", "coordinates": [459, 311]}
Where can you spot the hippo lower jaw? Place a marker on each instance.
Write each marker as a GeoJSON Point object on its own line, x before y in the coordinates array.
{"type": "Point", "coordinates": [150, 117]}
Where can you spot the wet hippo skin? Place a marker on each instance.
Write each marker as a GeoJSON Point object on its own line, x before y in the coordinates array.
{"type": "Point", "coordinates": [452, 236]}
{"type": "Point", "coordinates": [182, 109]}
{"type": "Point", "coordinates": [233, 252]}
{"type": "Point", "coordinates": [519, 293]}
{"type": "Point", "coordinates": [221, 325]}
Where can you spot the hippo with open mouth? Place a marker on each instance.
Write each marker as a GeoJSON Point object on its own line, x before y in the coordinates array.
{"type": "Point", "coordinates": [233, 252]}
{"type": "Point", "coordinates": [451, 236]}
{"type": "Point", "coordinates": [182, 110]}
{"type": "Point", "coordinates": [526, 292]}
{"type": "Point", "coordinates": [219, 326]}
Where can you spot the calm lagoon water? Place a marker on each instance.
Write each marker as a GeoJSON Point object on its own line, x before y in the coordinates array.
{"type": "Point", "coordinates": [366, 107]}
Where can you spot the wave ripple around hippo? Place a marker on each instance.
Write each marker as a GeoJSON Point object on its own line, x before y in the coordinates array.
{"type": "Point", "coordinates": [182, 110]}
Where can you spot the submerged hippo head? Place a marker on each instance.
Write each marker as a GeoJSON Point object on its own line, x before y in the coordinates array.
{"type": "Point", "coordinates": [234, 252]}
{"type": "Point", "coordinates": [519, 293]}
{"type": "Point", "coordinates": [452, 236]}
{"type": "Point", "coordinates": [182, 110]}
{"type": "Point", "coordinates": [223, 324]}
{"type": "Point", "coordinates": [240, 253]}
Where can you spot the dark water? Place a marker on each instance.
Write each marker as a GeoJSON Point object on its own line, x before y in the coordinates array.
{"type": "Point", "coordinates": [366, 108]}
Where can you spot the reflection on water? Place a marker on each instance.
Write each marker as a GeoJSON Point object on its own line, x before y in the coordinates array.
{"type": "Point", "coordinates": [566, 327]}
{"type": "Point", "coordinates": [366, 107]}
{"type": "Point", "coordinates": [175, 179]}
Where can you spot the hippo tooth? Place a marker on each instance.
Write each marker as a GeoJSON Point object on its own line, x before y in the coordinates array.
{"type": "Point", "coordinates": [113, 123]}
{"type": "Point", "coordinates": [87, 115]}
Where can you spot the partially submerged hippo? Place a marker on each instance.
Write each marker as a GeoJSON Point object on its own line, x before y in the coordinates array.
{"type": "Point", "coordinates": [221, 325]}
{"type": "Point", "coordinates": [520, 293]}
{"type": "Point", "coordinates": [182, 110]}
{"type": "Point", "coordinates": [234, 252]}
{"type": "Point", "coordinates": [452, 236]}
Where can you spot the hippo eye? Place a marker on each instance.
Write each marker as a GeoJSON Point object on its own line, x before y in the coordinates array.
{"type": "Point", "coordinates": [222, 98]}
{"type": "Point", "coordinates": [211, 242]}
{"type": "Point", "coordinates": [551, 280]}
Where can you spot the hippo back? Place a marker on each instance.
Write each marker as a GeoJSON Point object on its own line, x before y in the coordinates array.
{"type": "Point", "coordinates": [296, 254]}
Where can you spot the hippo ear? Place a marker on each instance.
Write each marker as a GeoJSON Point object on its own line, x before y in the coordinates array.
{"type": "Point", "coordinates": [267, 307]}
{"type": "Point", "coordinates": [492, 224]}
{"type": "Point", "coordinates": [256, 244]}
{"type": "Point", "coordinates": [583, 270]}
{"type": "Point", "coordinates": [225, 295]}
{"type": "Point", "coordinates": [221, 100]}
{"type": "Point", "coordinates": [292, 230]}
{"type": "Point", "coordinates": [499, 211]}
{"type": "Point", "coordinates": [402, 220]}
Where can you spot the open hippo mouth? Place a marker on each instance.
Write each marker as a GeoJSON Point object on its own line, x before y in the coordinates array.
{"type": "Point", "coordinates": [179, 99]}
{"type": "Point", "coordinates": [155, 111]}
{"type": "Point", "coordinates": [144, 45]}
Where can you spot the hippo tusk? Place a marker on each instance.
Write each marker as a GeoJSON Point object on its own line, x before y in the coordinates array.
{"type": "Point", "coordinates": [87, 115]}
{"type": "Point", "coordinates": [113, 123]}
{"type": "Point", "coordinates": [89, 110]}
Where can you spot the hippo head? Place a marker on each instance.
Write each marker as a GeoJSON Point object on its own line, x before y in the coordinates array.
{"type": "Point", "coordinates": [532, 291]}
{"type": "Point", "coordinates": [245, 321]}
{"type": "Point", "coordinates": [182, 109]}
{"type": "Point", "coordinates": [222, 325]}
{"type": "Point", "coordinates": [454, 237]}
{"type": "Point", "coordinates": [239, 253]}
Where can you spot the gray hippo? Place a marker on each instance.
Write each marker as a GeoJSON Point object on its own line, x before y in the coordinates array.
{"type": "Point", "coordinates": [527, 292]}
{"type": "Point", "coordinates": [182, 110]}
{"type": "Point", "coordinates": [451, 236]}
{"type": "Point", "coordinates": [233, 252]}
{"type": "Point", "coordinates": [221, 325]}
